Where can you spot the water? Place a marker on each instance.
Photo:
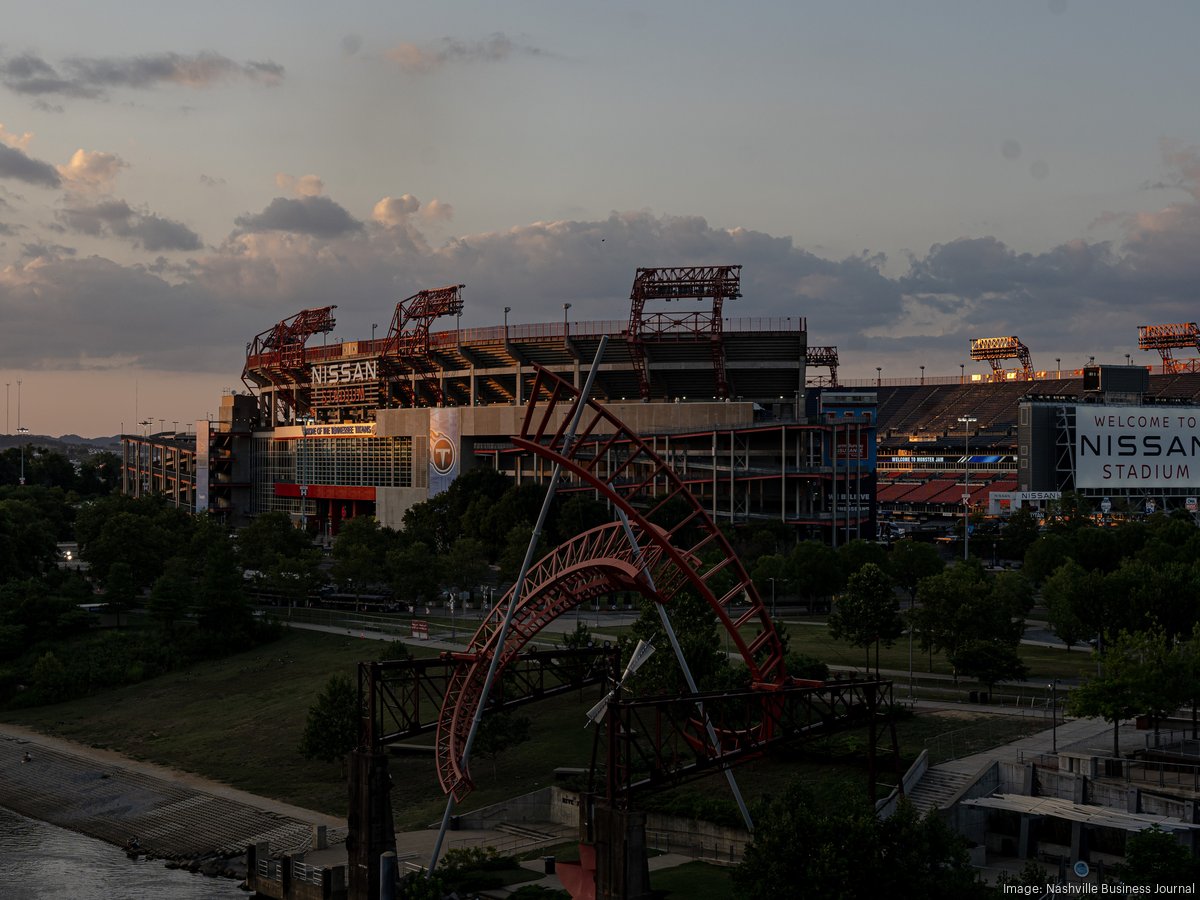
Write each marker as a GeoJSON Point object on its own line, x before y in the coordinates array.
{"type": "Point", "coordinates": [39, 861]}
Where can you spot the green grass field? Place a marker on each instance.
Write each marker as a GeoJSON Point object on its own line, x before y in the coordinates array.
{"type": "Point", "coordinates": [239, 720]}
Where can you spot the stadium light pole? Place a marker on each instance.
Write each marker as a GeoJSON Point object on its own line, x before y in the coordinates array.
{"type": "Point", "coordinates": [966, 497]}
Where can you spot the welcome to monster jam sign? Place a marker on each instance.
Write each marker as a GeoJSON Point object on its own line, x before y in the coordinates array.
{"type": "Point", "coordinates": [1136, 446]}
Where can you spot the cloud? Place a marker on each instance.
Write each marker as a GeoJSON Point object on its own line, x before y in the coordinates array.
{"type": "Point", "coordinates": [317, 216]}
{"type": "Point", "coordinates": [393, 211]}
{"type": "Point", "coordinates": [92, 77]}
{"type": "Point", "coordinates": [32, 75]}
{"type": "Point", "coordinates": [116, 218]}
{"type": "Point", "coordinates": [15, 164]}
{"type": "Point", "coordinates": [416, 59]}
{"type": "Point", "coordinates": [18, 142]}
{"type": "Point", "coordinates": [437, 211]}
{"type": "Point", "coordinates": [304, 186]}
{"type": "Point", "coordinates": [91, 171]}
{"type": "Point", "coordinates": [39, 251]}
{"type": "Point", "coordinates": [1074, 299]}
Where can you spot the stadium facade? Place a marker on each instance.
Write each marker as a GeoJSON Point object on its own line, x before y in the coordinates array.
{"type": "Point", "coordinates": [331, 430]}
{"type": "Point", "coordinates": [738, 407]}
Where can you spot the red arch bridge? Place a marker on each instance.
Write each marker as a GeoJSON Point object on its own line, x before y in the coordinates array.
{"type": "Point", "coordinates": [664, 543]}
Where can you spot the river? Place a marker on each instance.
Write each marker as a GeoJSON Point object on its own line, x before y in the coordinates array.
{"type": "Point", "coordinates": [39, 861]}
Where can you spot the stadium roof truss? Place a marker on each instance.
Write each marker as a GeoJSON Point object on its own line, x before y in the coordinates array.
{"type": "Point", "coordinates": [994, 350]}
{"type": "Point", "coordinates": [715, 283]}
{"type": "Point", "coordinates": [1168, 338]}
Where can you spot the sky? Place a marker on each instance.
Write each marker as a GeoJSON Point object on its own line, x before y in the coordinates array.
{"type": "Point", "coordinates": [176, 178]}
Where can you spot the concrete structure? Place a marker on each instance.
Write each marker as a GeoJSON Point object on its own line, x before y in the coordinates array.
{"type": "Point", "coordinates": [353, 428]}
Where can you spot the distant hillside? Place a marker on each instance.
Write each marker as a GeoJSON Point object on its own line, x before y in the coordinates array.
{"type": "Point", "coordinates": [70, 445]}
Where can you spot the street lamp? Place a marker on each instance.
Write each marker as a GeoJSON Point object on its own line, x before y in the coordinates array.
{"type": "Point", "coordinates": [1058, 367]}
{"type": "Point", "coordinates": [374, 325]}
{"type": "Point", "coordinates": [962, 372]}
{"type": "Point", "coordinates": [566, 325]}
{"type": "Point", "coordinates": [507, 310]}
{"type": "Point", "coordinates": [1054, 715]}
{"type": "Point", "coordinates": [879, 376]}
{"type": "Point", "coordinates": [966, 497]}
{"type": "Point", "coordinates": [922, 374]}
{"type": "Point", "coordinates": [21, 429]}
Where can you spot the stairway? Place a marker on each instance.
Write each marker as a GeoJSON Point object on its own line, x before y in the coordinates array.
{"type": "Point", "coordinates": [936, 789]}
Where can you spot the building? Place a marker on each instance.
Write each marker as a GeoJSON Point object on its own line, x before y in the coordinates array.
{"type": "Point", "coordinates": [334, 430]}
{"type": "Point", "coordinates": [1115, 444]}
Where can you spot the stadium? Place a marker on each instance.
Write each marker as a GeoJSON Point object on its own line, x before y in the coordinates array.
{"type": "Point", "coordinates": [755, 421]}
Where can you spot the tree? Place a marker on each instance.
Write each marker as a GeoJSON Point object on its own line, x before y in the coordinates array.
{"type": "Point", "coordinates": [268, 538]}
{"type": "Point", "coordinates": [172, 594]}
{"type": "Point", "coordinates": [910, 561]}
{"type": "Point", "coordinates": [850, 853]}
{"type": "Point", "coordinates": [331, 730]}
{"type": "Point", "coordinates": [499, 732]}
{"type": "Point", "coordinates": [412, 572]}
{"type": "Point", "coordinates": [814, 570]}
{"type": "Point", "coordinates": [989, 661]}
{"type": "Point", "coordinates": [222, 608]}
{"type": "Point", "coordinates": [120, 589]}
{"type": "Point", "coordinates": [359, 552]}
{"type": "Point", "coordinates": [465, 565]}
{"type": "Point", "coordinates": [1140, 675]}
{"type": "Point", "coordinates": [579, 638]}
{"type": "Point", "coordinates": [867, 613]}
{"type": "Point", "coordinates": [959, 606]}
{"type": "Point", "coordinates": [516, 543]}
{"type": "Point", "coordinates": [1156, 857]}
{"type": "Point", "coordinates": [858, 553]}
{"type": "Point", "coordinates": [1019, 533]}
{"type": "Point", "coordinates": [1045, 555]}
{"type": "Point", "coordinates": [695, 626]}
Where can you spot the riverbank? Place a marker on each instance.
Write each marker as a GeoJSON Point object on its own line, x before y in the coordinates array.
{"type": "Point", "coordinates": [173, 815]}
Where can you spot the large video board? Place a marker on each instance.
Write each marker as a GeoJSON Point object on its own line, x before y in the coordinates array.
{"type": "Point", "coordinates": [1123, 447]}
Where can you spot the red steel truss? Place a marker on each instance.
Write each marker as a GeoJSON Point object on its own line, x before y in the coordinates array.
{"type": "Point", "coordinates": [279, 352]}
{"type": "Point", "coordinates": [679, 546]}
{"type": "Point", "coordinates": [401, 699]}
{"type": "Point", "coordinates": [406, 348]}
{"type": "Point", "coordinates": [822, 357]}
{"type": "Point", "coordinates": [658, 742]}
{"type": "Point", "coordinates": [995, 350]}
{"type": "Point", "coordinates": [717, 283]}
{"type": "Point", "coordinates": [1167, 338]}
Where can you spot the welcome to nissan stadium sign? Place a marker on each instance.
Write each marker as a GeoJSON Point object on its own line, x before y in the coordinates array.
{"type": "Point", "coordinates": [1136, 446]}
